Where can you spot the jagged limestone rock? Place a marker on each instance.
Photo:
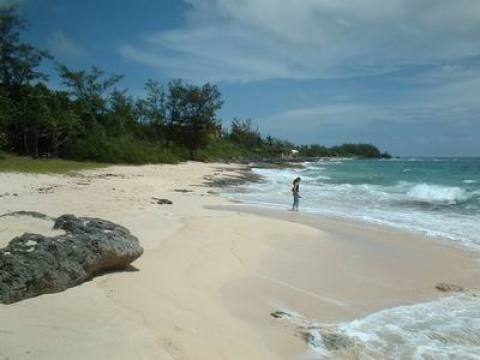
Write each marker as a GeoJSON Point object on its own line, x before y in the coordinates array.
{"type": "Point", "coordinates": [34, 264]}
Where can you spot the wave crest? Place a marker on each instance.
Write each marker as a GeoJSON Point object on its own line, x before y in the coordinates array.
{"type": "Point", "coordinates": [438, 195]}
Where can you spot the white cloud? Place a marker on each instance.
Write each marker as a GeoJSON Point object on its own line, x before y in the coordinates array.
{"type": "Point", "coordinates": [440, 120]}
{"type": "Point", "coordinates": [256, 40]}
{"type": "Point", "coordinates": [64, 48]}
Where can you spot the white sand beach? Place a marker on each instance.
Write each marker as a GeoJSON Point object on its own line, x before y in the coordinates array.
{"type": "Point", "coordinates": [212, 271]}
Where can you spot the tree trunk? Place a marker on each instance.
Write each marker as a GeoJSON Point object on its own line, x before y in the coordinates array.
{"type": "Point", "coordinates": [25, 142]}
{"type": "Point", "coordinates": [35, 144]}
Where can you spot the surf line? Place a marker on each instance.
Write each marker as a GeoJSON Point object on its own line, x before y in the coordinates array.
{"type": "Point", "coordinates": [306, 292]}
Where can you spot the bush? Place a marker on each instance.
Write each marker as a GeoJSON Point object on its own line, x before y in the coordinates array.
{"type": "Point", "coordinates": [124, 150]}
{"type": "Point", "coordinates": [221, 150]}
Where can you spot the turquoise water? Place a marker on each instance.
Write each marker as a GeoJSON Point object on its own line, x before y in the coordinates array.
{"type": "Point", "coordinates": [436, 197]}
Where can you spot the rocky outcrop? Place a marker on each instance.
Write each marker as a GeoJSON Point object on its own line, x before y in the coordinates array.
{"type": "Point", "coordinates": [34, 264]}
{"type": "Point", "coordinates": [331, 340]}
{"type": "Point", "coordinates": [336, 341]}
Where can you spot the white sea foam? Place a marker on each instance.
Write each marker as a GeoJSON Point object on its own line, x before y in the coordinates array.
{"type": "Point", "coordinates": [448, 328]}
{"type": "Point", "coordinates": [470, 181]}
{"type": "Point", "coordinates": [436, 194]}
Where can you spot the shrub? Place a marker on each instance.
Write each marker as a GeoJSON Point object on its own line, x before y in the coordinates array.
{"type": "Point", "coordinates": [123, 150]}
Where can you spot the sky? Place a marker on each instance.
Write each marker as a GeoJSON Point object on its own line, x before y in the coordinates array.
{"type": "Point", "coordinates": [401, 74]}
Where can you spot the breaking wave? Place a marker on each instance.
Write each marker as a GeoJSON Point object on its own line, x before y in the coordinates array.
{"type": "Point", "coordinates": [436, 194]}
{"type": "Point", "coordinates": [448, 328]}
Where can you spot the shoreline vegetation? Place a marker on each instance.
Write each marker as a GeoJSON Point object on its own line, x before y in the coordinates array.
{"type": "Point", "coordinates": [25, 164]}
{"type": "Point", "coordinates": [93, 119]}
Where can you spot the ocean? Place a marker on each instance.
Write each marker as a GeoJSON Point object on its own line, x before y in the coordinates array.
{"type": "Point", "coordinates": [436, 197]}
{"type": "Point", "coordinates": [439, 198]}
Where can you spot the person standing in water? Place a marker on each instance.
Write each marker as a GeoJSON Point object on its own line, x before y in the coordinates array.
{"type": "Point", "coordinates": [296, 193]}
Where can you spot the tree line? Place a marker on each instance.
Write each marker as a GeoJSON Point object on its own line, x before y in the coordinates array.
{"type": "Point", "coordinates": [93, 119]}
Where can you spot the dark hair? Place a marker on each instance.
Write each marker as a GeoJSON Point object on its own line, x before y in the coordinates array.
{"type": "Point", "coordinates": [297, 180]}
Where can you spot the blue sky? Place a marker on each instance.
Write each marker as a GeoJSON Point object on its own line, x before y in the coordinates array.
{"type": "Point", "coordinates": [402, 74]}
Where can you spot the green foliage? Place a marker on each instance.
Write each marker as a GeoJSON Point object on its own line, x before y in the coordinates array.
{"type": "Point", "coordinates": [13, 163]}
{"type": "Point", "coordinates": [243, 133]}
{"type": "Point", "coordinates": [345, 150]}
{"type": "Point", "coordinates": [223, 150]}
{"type": "Point", "coordinates": [18, 60]}
{"type": "Point", "coordinates": [5, 108]}
{"type": "Point", "coordinates": [98, 147]}
{"type": "Point", "coordinates": [192, 114]}
{"type": "Point", "coordinates": [3, 140]}
{"type": "Point", "coordinates": [120, 118]}
{"type": "Point", "coordinates": [89, 89]}
{"type": "Point", "coordinates": [41, 121]}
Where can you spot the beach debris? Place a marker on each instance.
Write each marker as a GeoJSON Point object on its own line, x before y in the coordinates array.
{"type": "Point", "coordinates": [33, 264]}
{"type": "Point", "coordinates": [108, 175]}
{"type": "Point", "coordinates": [446, 287]}
{"type": "Point", "coordinates": [33, 214]}
{"type": "Point", "coordinates": [162, 201]}
{"type": "Point", "coordinates": [8, 194]}
{"type": "Point", "coordinates": [46, 189]}
{"type": "Point", "coordinates": [83, 183]}
{"type": "Point", "coordinates": [183, 190]}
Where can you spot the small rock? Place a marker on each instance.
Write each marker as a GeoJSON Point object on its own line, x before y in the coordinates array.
{"type": "Point", "coordinates": [446, 287]}
{"type": "Point", "coordinates": [183, 190]}
{"type": "Point", "coordinates": [162, 201]}
{"type": "Point", "coordinates": [280, 314]}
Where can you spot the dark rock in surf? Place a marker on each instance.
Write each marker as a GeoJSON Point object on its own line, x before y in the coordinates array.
{"type": "Point", "coordinates": [446, 287]}
{"type": "Point", "coordinates": [317, 337]}
{"type": "Point", "coordinates": [280, 315]}
{"type": "Point", "coordinates": [34, 264]}
{"type": "Point", "coordinates": [335, 341]}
